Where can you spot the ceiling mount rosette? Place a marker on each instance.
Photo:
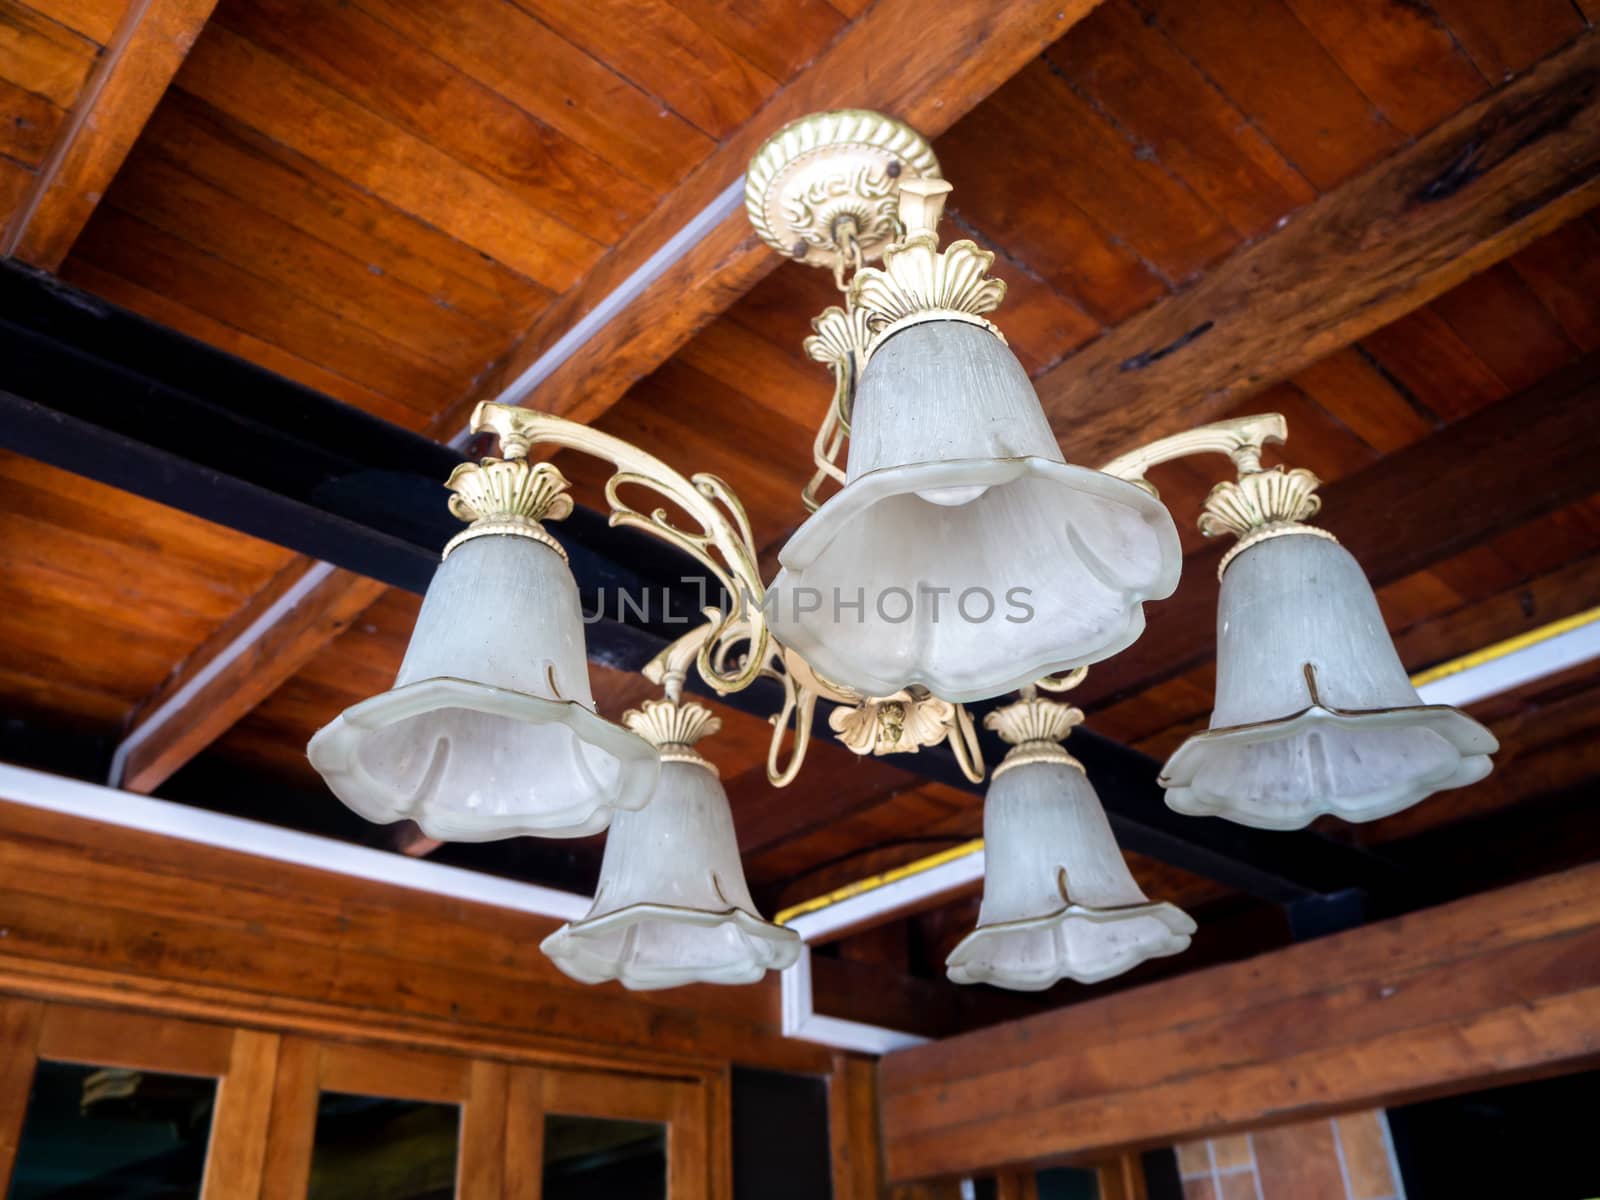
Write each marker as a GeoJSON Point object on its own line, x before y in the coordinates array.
{"type": "Point", "coordinates": [830, 170]}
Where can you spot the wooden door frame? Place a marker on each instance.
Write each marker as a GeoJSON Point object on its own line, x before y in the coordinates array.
{"type": "Point", "coordinates": [694, 1109]}
{"type": "Point", "coordinates": [242, 1061]}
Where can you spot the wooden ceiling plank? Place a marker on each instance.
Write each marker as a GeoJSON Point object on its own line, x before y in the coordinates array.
{"type": "Point", "coordinates": [263, 91]}
{"type": "Point", "coordinates": [1509, 168]}
{"type": "Point", "coordinates": [363, 59]}
{"type": "Point", "coordinates": [95, 19]}
{"type": "Point", "coordinates": [42, 56]}
{"type": "Point", "coordinates": [1557, 594]}
{"type": "Point", "coordinates": [571, 91]}
{"type": "Point", "coordinates": [654, 44]}
{"type": "Point", "coordinates": [1280, 74]}
{"type": "Point", "coordinates": [1563, 269]}
{"type": "Point", "coordinates": [206, 328]}
{"type": "Point", "coordinates": [1506, 38]}
{"type": "Point", "coordinates": [1353, 388]}
{"type": "Point", "coordinates": [1437, 366]}
{"type": "Point", "coordinates": [323, 205]}
{"type": "Point", "coordinates": [107, 115]}
{"type": "Point", "coordinates": [1296, 1036]}
{"type": "Point", "coordinates": [150, 541]}
{"type": "Point", "coordinates": [779, 36]}
{"type": "Point", "coordinates": [1400, 55]}
{"type": "Point", "coordinates": [1508, 329]}
{"type": "Point", "coordinates": [930, 81]}
{"type": "Point", "coordinates": [1129, 69]}
{"type": "Point", "coordinates": [1487, 474]}
{"type": "Point", "coordinates": [1039, 226]}
{"type": "Point", "coordinates": [125, 246]}
{"type": "Point", "coordinates": [408, 327]}
{"type": "Point", "coordinates": [31, 125]}
{"type": "Point", "coordinates": [1084, 159]}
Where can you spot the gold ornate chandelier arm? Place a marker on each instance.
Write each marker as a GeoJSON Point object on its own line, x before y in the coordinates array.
{"type": "Point", "coordinates": [798, 712]}
{"type": "Point", "coordinates": [839, 343]}
{"type": "Point", "coordinates": [1241, 439]}
{"type": "Point", "coordinates": [723, 545]}
{"type": "Point", "coordinates": [669, 670]}
{"type": "Point", "coordinates": [1060, 683]}
{"type": "Point", "coordinates": [964, 744]}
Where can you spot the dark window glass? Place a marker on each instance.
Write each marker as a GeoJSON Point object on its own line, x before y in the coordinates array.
{"type": "Point", "coordinates": [376, 1148]}
{"type": "Point", "coordinates": [1068, 1183]}
{"type": "Point", "coordinates": [586, 1158]}
{"type": "Point", "coordinates": [94, 1132]}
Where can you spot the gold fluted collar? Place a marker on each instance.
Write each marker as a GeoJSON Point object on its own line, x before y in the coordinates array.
{"type": "Point", "coordinates": [1035, 727]}
{"type": "Point", "coordinates": [673, 727]}
{"type": "Point", "coordinates": [508, 497]}
{"type": "Point", "coordinates": [1261, 505]}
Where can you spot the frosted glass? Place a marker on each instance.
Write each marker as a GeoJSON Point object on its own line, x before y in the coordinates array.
{"type": "Point", "coordinates": [489, 730]}
{"type": "Point", "coordinates": [1058, 899]}
{"type": "Point", "coordinates": [673, 906]}
{"type": "Point", "coordinates": [964, 554]}
{"type": "Point", "coordinates": [1297, 613]}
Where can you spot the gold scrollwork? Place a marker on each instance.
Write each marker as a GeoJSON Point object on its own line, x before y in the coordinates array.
{"type": "Point", "coordinates": [724, 544]}
{"type": "Point", "coordinates": [839, 343]}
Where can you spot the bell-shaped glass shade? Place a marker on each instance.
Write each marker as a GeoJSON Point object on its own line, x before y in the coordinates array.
{"type": "Point", "coordinates": [489, 731]}
{"type": "Point", "coordinates": [1058, 899]}
{"type": "Point", "coordinates": [963, 553]}
{"type": "Point", "coordinates": [1314, 711]}
{"type": "Point", "coordinates": [673, 906]}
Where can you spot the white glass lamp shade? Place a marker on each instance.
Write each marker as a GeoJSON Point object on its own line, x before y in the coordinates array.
{"type": "Point", "coordinates": [1314, 711]}
{"type": "Point", "coordinates": [673, 906]}
{"type": "Point", "coordinates": [1058, 899]}
{"type": "Point", "coordinates": [963, 553]}
{"type": "Point", "coordinates": [489, 731]}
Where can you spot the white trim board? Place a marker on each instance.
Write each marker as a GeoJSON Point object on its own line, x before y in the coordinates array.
{"type": "Point", "coordinates": [129, 810]}
{"type": "Point", "coordinates": [1548, 656]}
{"type": "Point", "coordinates": [800, 1020]}
{"type": "Point", "coordinates": [823, 923]}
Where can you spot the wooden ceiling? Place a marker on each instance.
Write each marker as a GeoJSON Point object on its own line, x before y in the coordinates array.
{"type": "Point", "coordinates": [1372, 216]}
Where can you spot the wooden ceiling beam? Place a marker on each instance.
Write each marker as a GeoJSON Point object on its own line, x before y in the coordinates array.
{"type": "Point", "coordinates": [1484, 475]}
{"type": "Point", "coordinates": [927, 73]}
{"type": "Point", "coordinates": [1506, 169]}
{"type": "Point", "coordinates": [298, 613]}
{"type": "Point", "coordinates": [128, 80]}
{"type": "Point", "coordinates": [1282, 1037]}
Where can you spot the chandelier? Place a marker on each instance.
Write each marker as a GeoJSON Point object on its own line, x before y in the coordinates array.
{"type": "Point", "coordinates": [957, 557]}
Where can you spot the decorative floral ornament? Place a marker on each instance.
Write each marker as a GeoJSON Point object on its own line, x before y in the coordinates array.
{"type": "Point", "coordinates": [895, 724]}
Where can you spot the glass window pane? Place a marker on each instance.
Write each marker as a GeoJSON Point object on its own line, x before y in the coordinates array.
{"type": "Point", "coordinates": [106, 1132]}
{"type": "Point", "coordinates": [590, 1157]}
{"type": "Point", "coordinates": [1068, 1183]}
{"type": "Point", "coordinates": [377, 1148]}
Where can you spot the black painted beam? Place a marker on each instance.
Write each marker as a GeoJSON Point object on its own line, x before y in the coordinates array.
{"type": "Point", "coordinates": [104, 393]}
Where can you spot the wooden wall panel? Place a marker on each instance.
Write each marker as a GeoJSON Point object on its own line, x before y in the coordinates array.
{"type": "Point", "coordinates": [104, 912]}
{"type": "Point", "coordinates": [1498, 986]}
